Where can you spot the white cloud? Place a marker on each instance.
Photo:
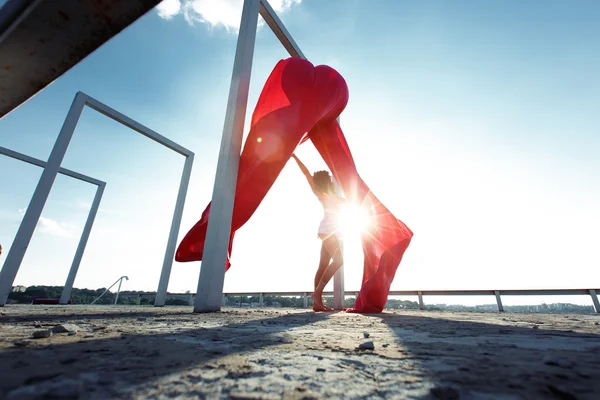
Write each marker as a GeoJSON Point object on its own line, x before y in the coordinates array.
{"type": "Point", "coordinates": [52, 227]}
{"type": "Point", "coordinates": [55, 228]}
{"type": "Point", "coordinates": [216, 13]}
{"type": "Point", "coordinates": [167, 9]}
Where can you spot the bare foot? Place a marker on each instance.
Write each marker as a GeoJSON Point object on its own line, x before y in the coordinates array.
{"type": "Point", "coordinates": [321, 307]}
{"type": "Point", "coordinates": [318, 303]}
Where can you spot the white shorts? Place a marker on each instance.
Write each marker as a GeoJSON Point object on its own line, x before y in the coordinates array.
{"type": "Point", "coordinates": [329, 227]}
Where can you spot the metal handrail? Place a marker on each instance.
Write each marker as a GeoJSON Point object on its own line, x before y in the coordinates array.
{"type": "Point", "coordinates": [420, 293]}
{"type": "Point", "coordinates": [119, 281]}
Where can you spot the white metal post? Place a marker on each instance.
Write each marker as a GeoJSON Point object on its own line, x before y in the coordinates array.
{"type": "Point", "coordinates": [66, 293]}
{"type": "Point", "coordinates": [165, 274]}
{"type": "Point", "coordinates": [338, 289]}
{"type": "Point", "coordinates": [118, 291]}
{"type": "Point", "coordinates": [273, 21]}
{"type": "Point", "coordinates": [216, 245]}
{"type": "Point", "coordinates": [499, 301]}
{"type": "Point", "coordinates": [36, 205]}
{"type": "Point", "coordinates": [82, 242]}
{"type": "Point", "coordinates": [338, 277]}
{"type": "Point", "coordinates": [594, 297]}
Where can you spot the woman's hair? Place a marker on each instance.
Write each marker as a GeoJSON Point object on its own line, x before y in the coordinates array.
{"type": "Point", "coordinates": [322, 182]}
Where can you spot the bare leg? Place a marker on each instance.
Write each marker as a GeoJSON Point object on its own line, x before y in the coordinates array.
{"type": "Point", "coordinates": [332, 247]}
{"type": "Point", "coordinates": [323, 263]}
{"type": "Point", "coordinates": [336, 264]}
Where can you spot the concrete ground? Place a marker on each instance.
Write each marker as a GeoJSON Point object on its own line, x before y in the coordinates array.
{"type": "Point", "coordinates": [128, 352]}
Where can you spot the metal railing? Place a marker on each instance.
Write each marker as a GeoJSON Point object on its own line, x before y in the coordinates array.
{"type": "Point", "coordinates": [421, 293]}
{"type": "Point", "coordinates": [119, 281]}
{"type": "Point", "coordinates": [418, 293]}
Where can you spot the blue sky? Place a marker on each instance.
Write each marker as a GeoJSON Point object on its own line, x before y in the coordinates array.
{"type": "Point", "coordinates": [474, 122]}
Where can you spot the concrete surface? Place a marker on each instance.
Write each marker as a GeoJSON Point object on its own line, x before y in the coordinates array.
{"type": "Point", "coordinates": [103, 352]}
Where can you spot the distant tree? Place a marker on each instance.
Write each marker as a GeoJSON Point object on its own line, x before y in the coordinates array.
{"type": "Point", "coordinates": [176, 302]}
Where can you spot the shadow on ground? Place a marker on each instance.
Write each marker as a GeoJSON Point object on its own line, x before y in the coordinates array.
{"type": "Point", "coordinates": [116, 363]}
{"type": "Point", "coordinates": [72, 316]}
{"type": "Point", "coordinates": [507, 361]}
{"type": "Point", "coordinates": [443, 355]}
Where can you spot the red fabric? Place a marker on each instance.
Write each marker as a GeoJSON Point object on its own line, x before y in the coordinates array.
{"type": "Point", "coordinates": [299, 98]}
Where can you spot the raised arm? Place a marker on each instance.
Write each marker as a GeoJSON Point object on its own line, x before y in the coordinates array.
{"type": "Point", "coordinates": [305, 171]}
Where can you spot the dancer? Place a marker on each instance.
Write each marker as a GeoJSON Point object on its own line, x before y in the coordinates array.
{"type": "Point", "coordinates": [300, 98]}
{"type": "Point", "coordinates": [331, 253]}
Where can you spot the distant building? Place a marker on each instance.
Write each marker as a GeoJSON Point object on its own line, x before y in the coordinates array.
{"type": "Point", "coordinates": [19, 289]}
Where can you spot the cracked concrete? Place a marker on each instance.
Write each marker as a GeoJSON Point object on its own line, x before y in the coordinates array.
{"type": "Point", "coordinates": [159, 353]}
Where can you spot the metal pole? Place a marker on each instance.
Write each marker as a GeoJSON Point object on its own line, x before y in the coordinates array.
{"type": "Point", "coordinates": [499, 301]}
{"type": "Point", "coordinates": [118, 291]}
{"type": "Point", "coordinates": [66, 293]}
{"type": "Point", "coordinates": [36, 205]}
{"type": "Point", "coordinates": [338, 277]}
{"type": "Point", "coordinates": [421, 304]}
{"type": "Point", "coordinates": [273, 21]}
{"type": "Point", "coordinates": [216, 245]}
{"type": "Point", "coordinates": [594, 297]}
{"type": "Point", "coordinates": [105, 291]}
{"type": "Point", "coordinates": [338, 285]}
{"type": "Point", "coordinates": [165, 273]}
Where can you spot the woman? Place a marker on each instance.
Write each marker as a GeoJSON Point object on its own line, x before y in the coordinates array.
{"type": "Point", "coordinates": [331, 253]}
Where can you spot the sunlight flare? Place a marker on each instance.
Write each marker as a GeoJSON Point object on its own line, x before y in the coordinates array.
{"type": "Point", "coordinates": [353, 219]}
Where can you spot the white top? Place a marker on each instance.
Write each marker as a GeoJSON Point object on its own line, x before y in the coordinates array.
{"type": "Point", "coordinates": [331, 207]}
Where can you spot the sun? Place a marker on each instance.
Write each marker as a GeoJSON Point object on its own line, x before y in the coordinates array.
{"type": "Point", "coordinates": [353, 219]}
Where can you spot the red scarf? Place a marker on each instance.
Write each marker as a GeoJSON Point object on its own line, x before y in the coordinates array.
{"type": "Point", "coordinates": [298, 98]}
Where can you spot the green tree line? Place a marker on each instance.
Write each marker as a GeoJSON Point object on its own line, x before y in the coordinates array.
{"type": "Point", "coordinates": [86, 296]}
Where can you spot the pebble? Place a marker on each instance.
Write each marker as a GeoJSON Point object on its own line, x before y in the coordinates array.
{"type": "Point", "coordinates": [367, 346]}
{"type": "Point", "coordinates": [46, 333]}
{"type": "Point", "coordinates": [321, 369]}
{"type": "Point", "coordinates": [366, 334]}
{"type": "Point", "coordinates": [21, 343]}
{"type": "Point", "coordinates": [66, 328]}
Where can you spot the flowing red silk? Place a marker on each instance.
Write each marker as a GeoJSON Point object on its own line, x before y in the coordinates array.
{"type": "Point", "coordinates": [301, 102]}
